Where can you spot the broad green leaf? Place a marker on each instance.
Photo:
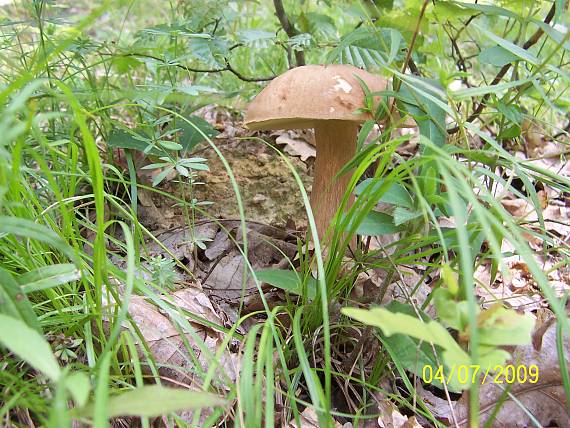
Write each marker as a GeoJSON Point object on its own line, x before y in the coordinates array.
{"type": "Point", "coordinates": [504, 326]}
{"type": "Point", "coordinates": [429, 115]}
{"type": "Point", "coordinates": [396, 194]}
{"type": "Point", "coordinates": [256, 38]}
{"type": "Point", "coordinates": [191, 134]}
{"type": "Point", "coordinates": [125, 64]}
{"type": "Point", "coordinates": [377, 223]}
{"type": "Point", "coordinates": [131, 140]}
{"type": "Point", "coordinates": [14, 302]}
{"type": "Point", "coordinates": [400, 320]}
{"type": "Point", "coordinates": [29, 345]}
{"type": "Point", "coordinates": [414, 354]}
{"type": "Point", "coordinates": [318, 24]}
{"type": "Point", "coordinates": [399, 323]}
{"type": "Point", "coordinates": [211, 51]}
{"type": "Point", "coordinates": [287, 280]}
{"type": "Point", "coordinates": [403, 215]}
{"type": "Point", "coordinates": [49, 277]}
{"type": "Point", "coordinates": [78, 385]}
{"type": "Point", "coordinates": [366, 48]}
{"type": "Point", "coordinates": [156, 400]}
{"type": "Point", "coordinates": [497, 56]}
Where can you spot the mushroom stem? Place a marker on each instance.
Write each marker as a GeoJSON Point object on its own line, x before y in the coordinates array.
{"type": "Point", "coordinates": [336, 145]}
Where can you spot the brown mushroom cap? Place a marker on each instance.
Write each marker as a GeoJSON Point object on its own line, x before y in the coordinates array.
{"type": "Point", "coordinates": [303, 95]}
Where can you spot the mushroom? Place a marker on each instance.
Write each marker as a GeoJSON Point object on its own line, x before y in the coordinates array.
{"type": "Point", "coordinates": [323, 97]}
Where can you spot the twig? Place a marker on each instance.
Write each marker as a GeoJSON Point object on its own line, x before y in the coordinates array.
{"type": "Point", "coordinates": [528, 44]}
{"type": "Point", "coordinates": [289, 29]}
{"type": "Point", "coordinates": [228, 67]}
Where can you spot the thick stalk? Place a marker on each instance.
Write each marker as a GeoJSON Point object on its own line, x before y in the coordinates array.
{"type": "Point", "coordinates": [336, 145]}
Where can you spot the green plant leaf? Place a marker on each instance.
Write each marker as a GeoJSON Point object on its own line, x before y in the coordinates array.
{"type": "Point", "coordinates": [156, 400]}
{"type": "Point", "coordinates": [377, 223]}
{"type": "Point", "coordinates": [516, 50]}
{"type": "Point", "coordinates": [396, 194]}
{"type": "Point", "coordinates": [190, 132]}
{"type": "Point", "coordinates": [502, 326]}
{"type": "Point", "coordinates": [78, 385]}
{"type": "Point", "coordinates": [403, 215]}
{"type": "Point", "coordinates": [49, 277]}
{"type": "Point", "coordinates": [29, 345]}
{"type": "Point", "coordinates": [131, 140]}
{"type": "Point", "coordinates": [211, 51]}
{"type": "Point", "coordinates": [287, 280]}
{"type": "Point", "coordinates": [29, 229]}
{"type": "Point", "coordinates": [414, 354]}
{"type": "Point", "coordinates": [365, 48]}
{"type": "Point", "coordinates": [255, 38]}
{"type": "Point", "coordinates": [400, 323]}
{"type": "Point", "coordinates": [497, 56]}
{"type": "Point", "coordinates": [429, 115]}
{"type": "Point", "coordinates": [15, 303]}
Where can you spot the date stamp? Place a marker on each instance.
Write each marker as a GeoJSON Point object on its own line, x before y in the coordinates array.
{"type": "Point", "coordinates": [470, 374]}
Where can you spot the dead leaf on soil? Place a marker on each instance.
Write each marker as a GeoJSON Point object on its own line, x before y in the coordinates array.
{"type": "Point", "coordinates": [296, 146]}
{"type": "Point", "coordinates": [309, 419]}
{"type": "Point", "coordinates": [167, 345]}
{"type": "Point", "coordinates": [392, 418]}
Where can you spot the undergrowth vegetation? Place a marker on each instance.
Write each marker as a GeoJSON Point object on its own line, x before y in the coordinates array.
{"type": "Point", "coordinates": [94, 97]}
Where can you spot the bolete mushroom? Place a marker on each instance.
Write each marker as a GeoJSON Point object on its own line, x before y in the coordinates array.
{"type": "Point", "coordinates": [323, 97]}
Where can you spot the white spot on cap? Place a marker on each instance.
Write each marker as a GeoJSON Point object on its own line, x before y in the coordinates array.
{"type": "Point", "coordinates": [331, 110]}
{"type": "Point", "coordinates": [342, 85]}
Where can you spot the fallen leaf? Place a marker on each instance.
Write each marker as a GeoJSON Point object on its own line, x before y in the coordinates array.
{"type": "Point", "coordinates": [296, 146]}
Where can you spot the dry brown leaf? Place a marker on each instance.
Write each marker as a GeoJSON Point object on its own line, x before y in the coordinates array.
{"type": "Point", "coordinates": [296, 146]}
{"type": "Point", "coordinates": [224, 278]}
{"type": "Point", "coordinates": [167, 346]}
{"type": "Point", "coordinates": [309, 419]}
{"type": "Point", "coordinates": [392, 418]}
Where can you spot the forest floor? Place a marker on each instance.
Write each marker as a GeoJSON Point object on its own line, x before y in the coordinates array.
{"type": "Point", "coordinates": [211, 283]}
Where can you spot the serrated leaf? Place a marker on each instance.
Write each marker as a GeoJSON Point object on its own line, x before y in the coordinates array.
{"type": "Point", "coordinates": [368, 49]}
{"type": "Point", "coordinates": [257, 39]}
{"type": "Point", "coordinates": [29, 345]}
{"type": "Point", "coordinates": [319, 25]}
